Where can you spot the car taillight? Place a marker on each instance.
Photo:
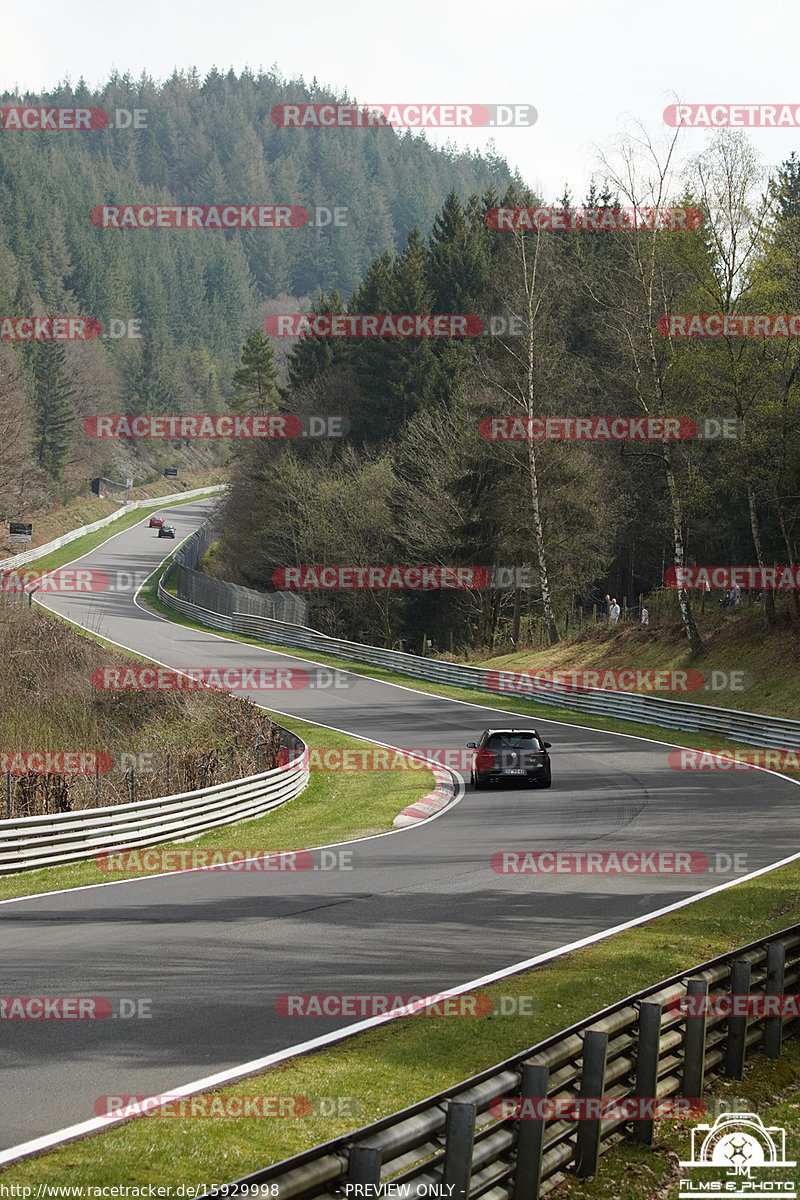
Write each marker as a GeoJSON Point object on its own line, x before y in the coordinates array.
{"type": "Point", "coordinates": [484, 760]}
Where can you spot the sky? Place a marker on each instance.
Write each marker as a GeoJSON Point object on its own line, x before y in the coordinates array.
{"type": "Point", "coordinates": [591, 70]}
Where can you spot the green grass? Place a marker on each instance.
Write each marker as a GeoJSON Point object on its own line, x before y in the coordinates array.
{"type": "Point", "coordinates": [336, 806]}
{"type": "Point", "coordinates": [90, 541]}
{"type": "Point", "coordinates": [504, 703]}
{"type": "Point", "coordinates": [631, 1171]}
{"type": "Point", "coordinates": [388, 1068]}
{"type": "Point", "coordinates": [735, 641]}
{"type": "Point", "coordinates": [86, 509]}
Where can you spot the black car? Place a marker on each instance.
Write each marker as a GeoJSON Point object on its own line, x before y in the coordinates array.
{"type": "Point", "coordinates": [166, 531]}
{"type": "Point", "coordinates": [510, 754]}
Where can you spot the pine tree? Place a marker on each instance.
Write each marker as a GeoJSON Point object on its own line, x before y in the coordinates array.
{"type": "Point", "coordinates": [255, 381]}
{"type": "Point", "coordinates": [311, 357]}
{"type": "Point", "coordinates": [54, 415]}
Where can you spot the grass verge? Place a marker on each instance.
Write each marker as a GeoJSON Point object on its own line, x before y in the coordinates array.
{"type": "Point", "coordinates": [754, 669]}
{"type": "Point", "coordinates": [385, 1069]}
{"type": "Point", "coordinates": [505, 703]}
{"type": "Point", "coordinates": [90, 541]}
{"type": "Point", "coordinates": [388, 1068]}
{"type": "Point", "coordinates": [85, 509]}
{"type": "Point", "coordinates": [630, 1170]}
{"type": "Point", "coordinates": [336, 806]}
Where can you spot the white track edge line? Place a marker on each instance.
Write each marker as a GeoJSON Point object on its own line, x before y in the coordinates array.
{"type": "Point", "coordinates": [94, 1125]}
{"type": "Point", "coordinates": [73, 1132]}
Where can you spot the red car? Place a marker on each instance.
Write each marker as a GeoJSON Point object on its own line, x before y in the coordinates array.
{"type": "Point", "coordinates": [156, 522]}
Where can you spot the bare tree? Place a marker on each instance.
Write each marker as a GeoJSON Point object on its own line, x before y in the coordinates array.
{"type": "Point", "coordinates": [727, 178]}
{"type": "Point", "coordinates": [520, 379]}
{"type": "Point", "coordinates": [633, 298]}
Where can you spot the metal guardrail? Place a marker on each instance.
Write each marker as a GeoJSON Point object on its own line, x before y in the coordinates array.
{"type": "Point", "coordinates": [220, 596]}
{"type": "Point", "coordinates": [54, 839]}
{"type": "Point", "coordinates": [27, 556]}
{"type": "Point", "coordinates": [641, 1047]}
{"type": "Point", "coordinates": [751, 728]}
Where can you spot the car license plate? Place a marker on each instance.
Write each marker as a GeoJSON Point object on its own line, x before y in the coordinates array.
{"type": "Point", "coordinates": [514, 771]}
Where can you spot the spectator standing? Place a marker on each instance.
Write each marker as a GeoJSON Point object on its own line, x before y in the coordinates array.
{"type": "Point", "coordinates": [613, 612]}
{"type": "Point", "coordinates": [645, 617]}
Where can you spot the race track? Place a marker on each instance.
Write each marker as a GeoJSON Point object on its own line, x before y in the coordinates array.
{"type": "Point", "coordinates": [421, 910]}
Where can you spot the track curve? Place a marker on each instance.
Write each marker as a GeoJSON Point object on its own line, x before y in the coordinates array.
{"type": "Point", "coordinates": [420, 911]}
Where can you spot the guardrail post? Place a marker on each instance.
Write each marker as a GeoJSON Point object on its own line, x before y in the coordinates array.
{"type": "Point", "coordinates": [649, 1043]}
{"type": "Point", "coordinates": [365, 1165]}
{"type": "Point", "coordinates": [587, 1150]}
{"type": "Point", "coordinates": [694, 1044]}
{"type": "Point", "coordinates": [530, 1137]}
{"type": "Point", "coordinates": [776, 969]}
{"type": "Point", "coordinates": [737, 1025]}
{"type": "Point", "coordinates": [459, 1140]}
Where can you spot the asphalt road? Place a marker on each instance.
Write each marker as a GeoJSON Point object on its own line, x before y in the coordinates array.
{"type": "Point", "coordinates": [420, 910]}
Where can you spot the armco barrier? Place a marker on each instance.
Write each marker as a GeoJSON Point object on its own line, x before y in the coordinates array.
{"type": "Point", "coordinates": [750, 728]}
{"type": "Point", "coordinates": [51, 840]}
{"type": "Point", "coordinates": [220, 596]}
{"type": "Point", "coordinates": [29, 555]}
{"type": "Point", "coordinates": [641, 1048]}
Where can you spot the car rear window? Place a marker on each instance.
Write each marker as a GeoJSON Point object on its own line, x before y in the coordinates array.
{"type": "Point", "coordinates": [513, 741]}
